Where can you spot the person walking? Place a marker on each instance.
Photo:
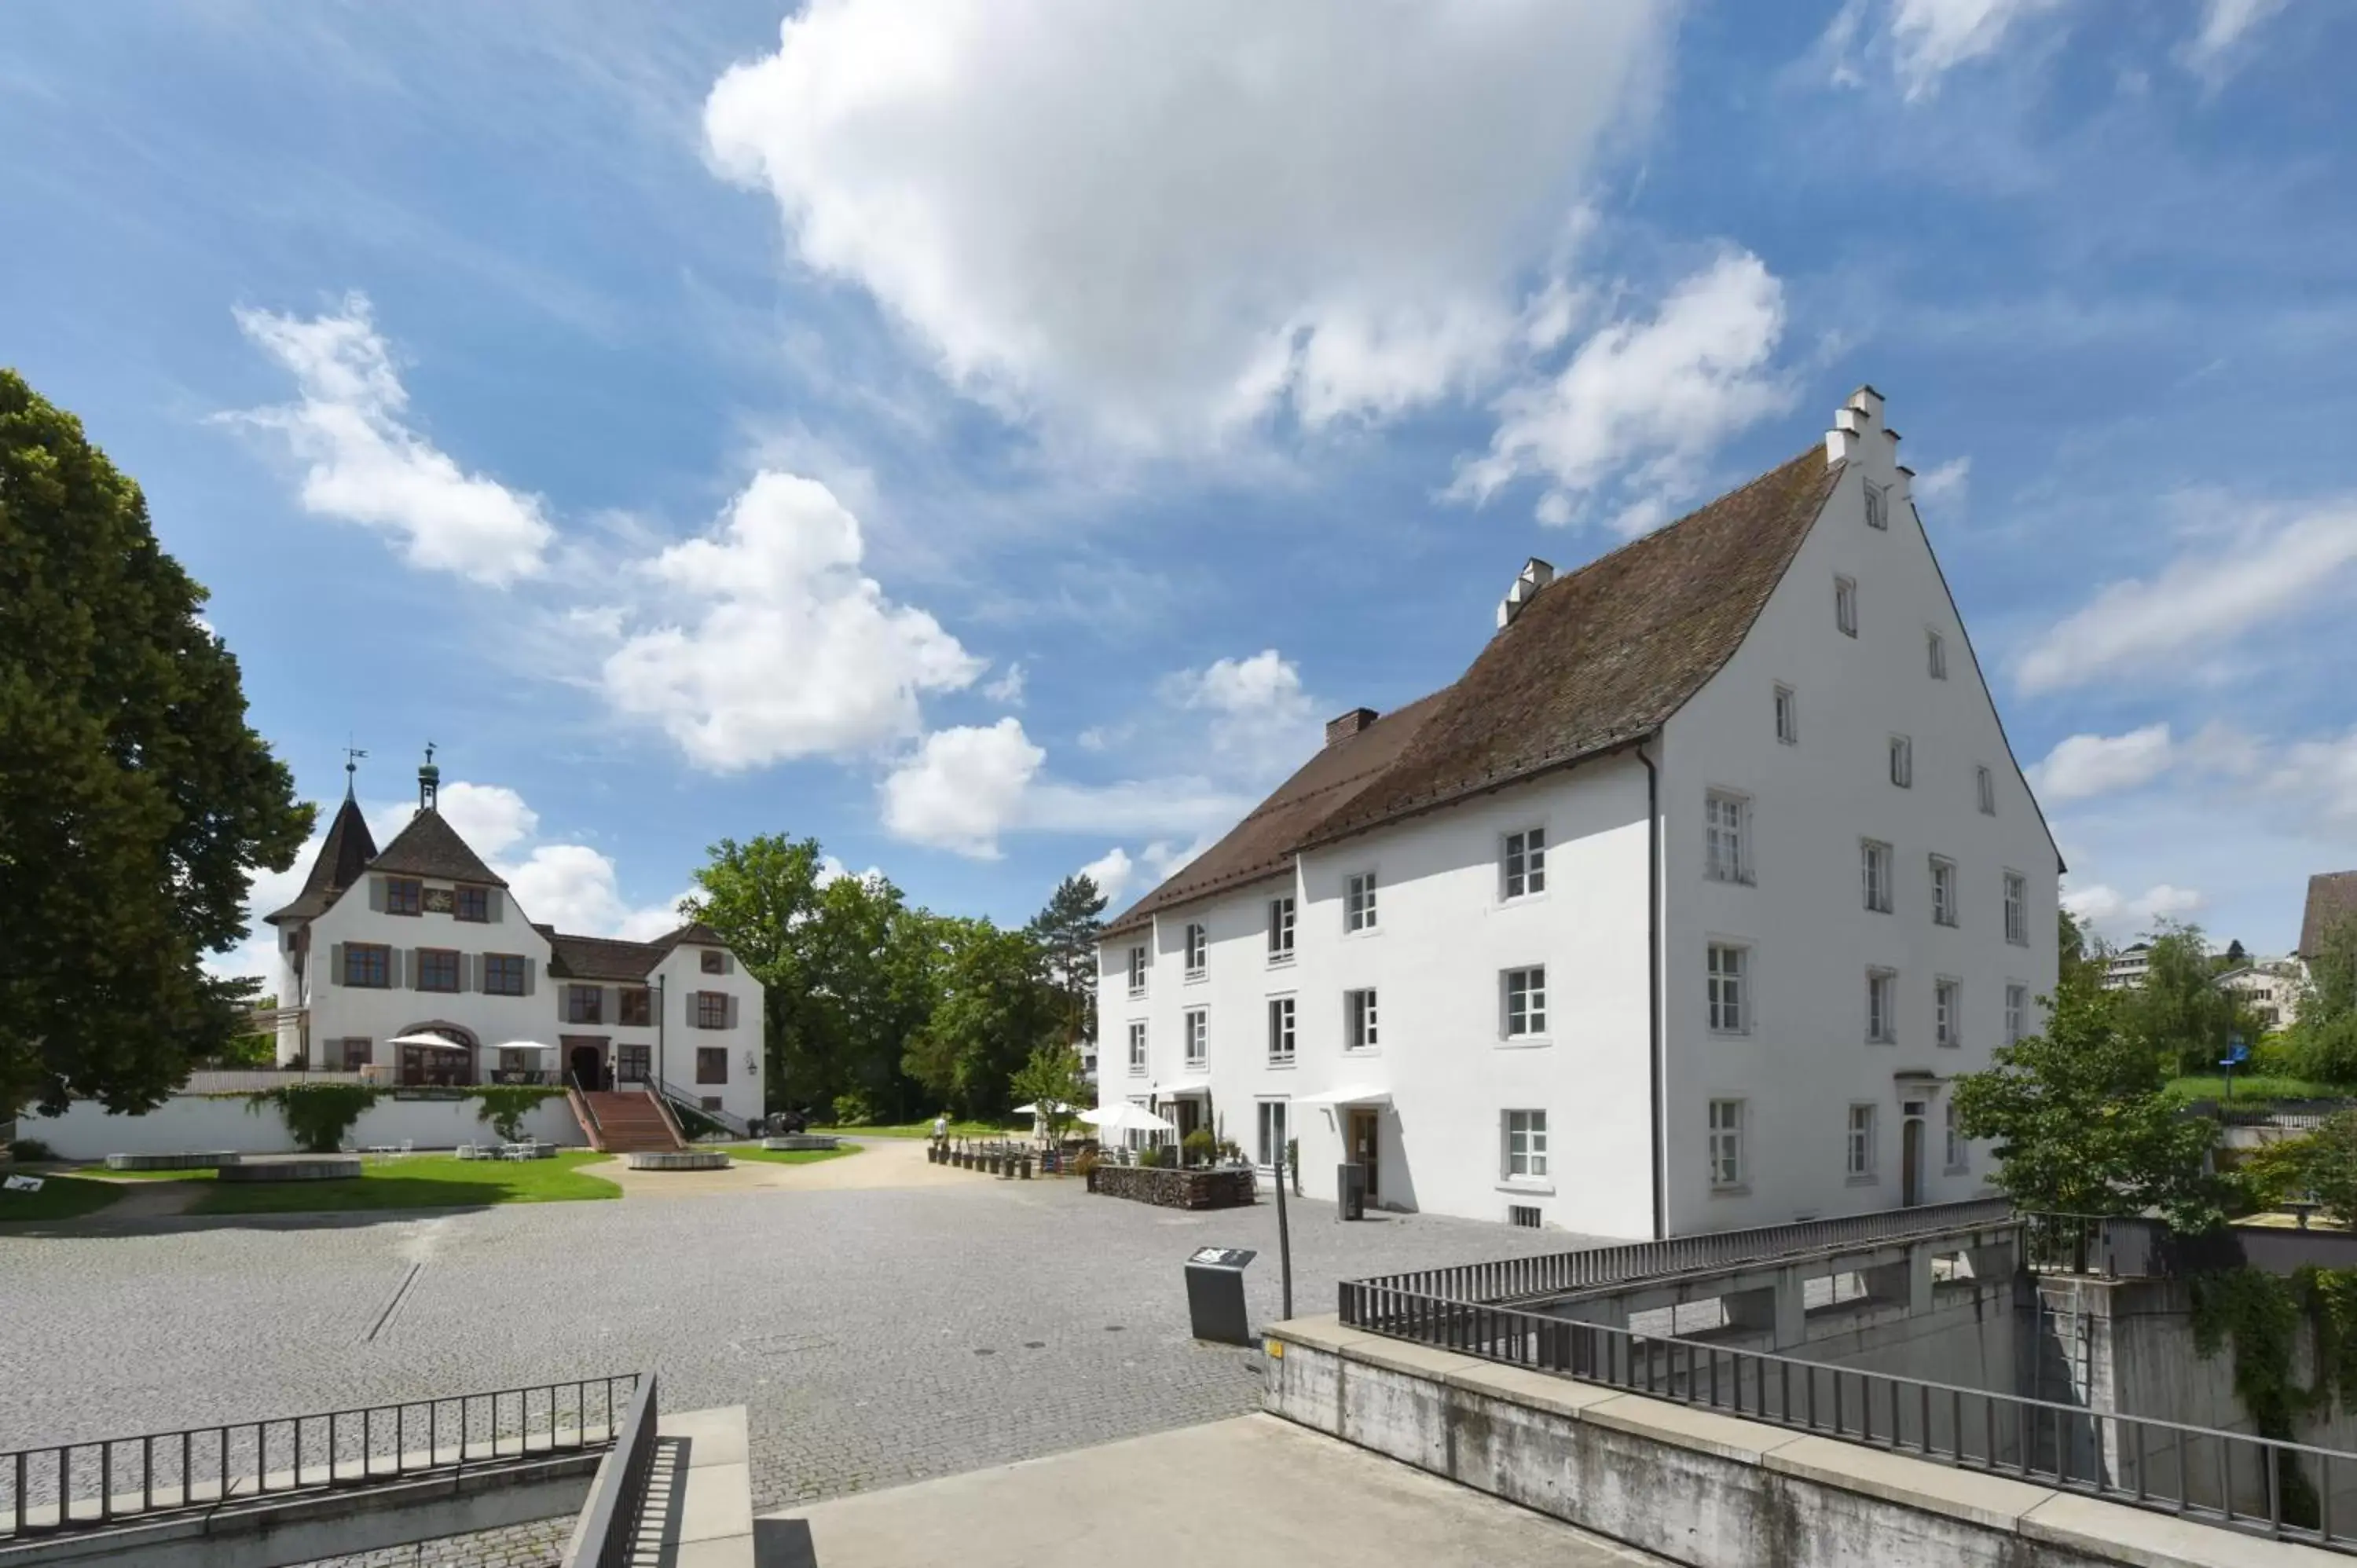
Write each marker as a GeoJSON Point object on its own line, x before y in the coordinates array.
{"type": "Point", "coordinates": [942, 1130]}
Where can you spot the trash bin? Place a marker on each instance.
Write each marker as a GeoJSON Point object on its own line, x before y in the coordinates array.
{"type": "Point", "coordinates": [1215, 1294]}
{"type": "Point", "coordinates": [1350, 1191]}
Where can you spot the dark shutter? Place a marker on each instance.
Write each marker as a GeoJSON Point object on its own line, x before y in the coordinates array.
{"type": "Point", "coordinates": [336, 965]}
{"type": "Point", "coordinates": [376, 894]}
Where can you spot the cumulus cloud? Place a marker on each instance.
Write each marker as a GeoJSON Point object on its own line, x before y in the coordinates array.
{"type": "Point", "coordinates": [2088, 765]}
{"type": "Point", "coordinates": [961, 787]}
{"type": "Point", "coordinates": [1162, 223]}
{"type": "Point", "coordinates": [1923, 39]}
{"type": "Point", "coordinates": [1007, 688]}
{"type": "Point", "coordinates": [2114, 913]}
{"type": "Point", "coordinates": [1943, 485]}
{"type": "Point", "coordinates": [2318, 775]}
{"type": "Point", "coordinates": [771, 643]}
{"type": "Point", "coordinates": [1260, 717]}
{"type": "Point", "coordinates": [575, 888]}
{"type": "Point", "coordinates": [2222, 39]}
{"type": "Point", "coordinates": [364, 464]}
{"type": "Point", "coordinates": [1111, 872]}
{"type": "Point", "coordinates": [1631, 421]}
{"type": "Point", "coordinates": [2200, 602]}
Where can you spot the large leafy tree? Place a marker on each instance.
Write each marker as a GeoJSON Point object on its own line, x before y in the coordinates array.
{"type": "Point", "coordinates": [2180, 1010]}
{"type": "Point", "coordinates": [1054, 1080]}
{"type": "Point", "coordinates": [2081, 1122]}
{"type": "Point", "coordinates": [996, 1009]}
{"type": "Point", "coordinates": [1067, 932]}
{"type": "Point", "coordinates": [135, 798]}
{"type": "Point", "coordinates": [758, 895]}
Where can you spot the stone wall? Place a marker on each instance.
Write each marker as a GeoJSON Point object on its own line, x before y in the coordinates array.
{"type": "Point", "coordinates": [1175, 1188]}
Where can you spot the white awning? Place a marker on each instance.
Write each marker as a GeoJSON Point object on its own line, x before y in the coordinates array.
{"type": "Point", "coordinates": [1179, 1088]}
{"type": "Point", "coordinates": [1356, 1094]}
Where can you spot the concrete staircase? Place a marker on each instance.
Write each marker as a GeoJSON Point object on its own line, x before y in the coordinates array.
{"type": "Point", "coordinates": [625, 1121]}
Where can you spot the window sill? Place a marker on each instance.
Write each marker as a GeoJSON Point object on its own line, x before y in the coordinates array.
{"type": "Point", "coordinates": [1515, 901]}
{"type": "Point", "coordinates": [1744, 1034]}
{"type": "Point", "coordinates": [1525, 1042]}
{"type": "Point", "coordinates": [1949, 1045]}
{"type": "Point", "coordinates": [1136, 993]}
{"type": "Point", "coordinates": [1137, 1072]}
{"type": "Point", "coordinates": [1280, 961]}
{"type": "Point", "coordinates": [1285, 1065]}
{"type": "Point", "coordinates": [1740, 1189]}
{"type": "Point", "coordinates": [1882, 1040]}
{"type": "Point", "coordinates": [1196, 1064]}
{"type": "Point", "coordinates": [1195, 977]}
{"type": "Point", "coordinates": [1732, 881]}
{"type": "Point", "coordinates": [1527, 1187]}
{"type": "Point", "coordinates": [1863, 1181]}
{"type": "Point", "coordinates": [1361, 1053]}
{"type": "Point", "coordinates": [1957, 1170]}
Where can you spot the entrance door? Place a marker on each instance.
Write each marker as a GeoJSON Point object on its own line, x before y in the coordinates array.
{"type": "Point", "coordinates": [1911, 1162]}
{"type": "Point", "coordinates": [1363, 1148]}
{"type": "Point", "coordinates": [634, 1064]}
{"type": "Point", "coordinates": [586, 1064]}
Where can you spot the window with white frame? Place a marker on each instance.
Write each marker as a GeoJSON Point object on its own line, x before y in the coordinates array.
{"type": "Point", "coordinates": [1874, 870]}
{"type": "Point", "coordinates": [1729, 982]}
{"type": "Point", "coordinates": [1525, 1002]}
{"type": "Point", "coordinates": [1788, 716]}
{"type": "Point", "coordinates": [1137, 1047]}
{"type": "Point", "coordinates": [1845, 606]}
{"type": "Point", "coordinates": [1727, 836]}
{"type": "Point", "coordinates": [2016, 908]}
{"type": "Point", "coordinates": [1280, 1031]}
{"type": "Point", "coordinates": [2017, 1011]}
{"type": "Point", "coordinates": [1881, 1006]}
{"type": "Point", "coordinates": [1522, 866]}
{"type": "Point", "coordinates": [1726, 1168]}
{"type": "Point", "coordinates": [1137, 971]}
{"type": "Point", "coordinates": [1947, 1018]}
{"type": "Point", "coordinates": [1935, 655]}
{"type": "Point", "coordinates": [1944, 890]}
{"type": "Point", "coordinates": [1902, 762]}
{"type": "Point", "coordinates": [1527, 1145]}
{"type": "Point", "coordinates": [1197, 1035]}
{"type": "Point", "coordinates": [1959, 1150]}
{"type": "Point", "coordinates": [1269, 1150]}
{"type": "Point", "coordinates": [1199, 950]}
{"type": "Point", "coordinates": [1359, 902]}
{"type": "Point", "coordinates": [1859, 1155]}
{"type": "Point", "coordinates": [1877, 506]}
{"type": "Point", "coordinates": [1359, 1023]}
{"type": "Point", "coordinates": [1280, 930]}
{"type": "Point", "coordinates": [1985, 786]}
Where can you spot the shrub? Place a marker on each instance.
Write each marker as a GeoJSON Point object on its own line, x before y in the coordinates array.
{"type": "Point", "coordinates": [1199, 1147]}
{"type": "Point", "coordinates": [318, 1114]}
{"type": "Point", "coordinates": [1154, 1156]}
{"type": "Point", "coordinates": [32, 1151]}
{"type": "Point", "coordinates": [2327, 1050]}
{"type": "Point", "coordinates": [852, 1110]}
{"type": "Point", "coordinates": [1088, 1160]}
{"type": "Point", "coordinates": [505, 1106]}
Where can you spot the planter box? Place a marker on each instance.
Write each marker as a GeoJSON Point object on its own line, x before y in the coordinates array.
{"type": "Point", "coordinates": [1175, 1188]}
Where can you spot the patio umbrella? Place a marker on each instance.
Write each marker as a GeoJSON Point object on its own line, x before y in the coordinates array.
{"type": "Point", "coordinates": [1050, 1108]}
{"type": "Point", "coordinates": [525, 1046]}
{"type": "Point", "coordinates": [1123, 1117]}
{"type": "Point", "coordinates": [421, 1038]}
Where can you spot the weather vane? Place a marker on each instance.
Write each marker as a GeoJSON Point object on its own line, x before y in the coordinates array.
{"type": "Point", "coordinates": [353, 756]}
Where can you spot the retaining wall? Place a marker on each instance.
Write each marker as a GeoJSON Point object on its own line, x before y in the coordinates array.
{"type": "Point", "coordinates": [1169, 1188]}
{"type": "Point", "coordinates": [201, 1122]}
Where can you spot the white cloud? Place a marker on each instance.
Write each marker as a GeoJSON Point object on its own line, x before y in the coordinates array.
{"type": "Point", "coordinates": [1162, 223]}
{"type": "Point", "coordinates": [1007, 688]}
{"type": "Point", "coordinates": [963, 788]}
{"type": "Point", "coordinates": [2087, 764]}
{"type": "Point", "coordinates": [2198, 602]}
{"type": "Point", "coordinates": [574, 888]}
{"type": "Point", "coordinates": [1260, 718]}
{"type": "Point", "coordinates": [2117, 914]}
{"type": "Point", "coordinates": [1632, 420]}
{"type": "Point", "coordinates": [366, 466]}
{"type": "Point", "coordinates": [2212, 51]}
{"type": "Point", "coordinates": [492, 816]}
{"type": "Point", "coordinates": [1947, 483]}
{"type": "Point", "coordinates": [2318, 775]}
{"type": "Point", "coordinates": [1111, 872]}
{"type": "Point", "coordinates": [773, 644]}
{"type": "Point", "coordinates": [1931, 38]}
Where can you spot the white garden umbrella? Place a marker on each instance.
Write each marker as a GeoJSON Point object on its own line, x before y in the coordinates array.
{"type": "Point", "coordinates": [1121, 1116]}
{"type": "Point", "coordinates": [423, 1038]}
{"type": "Point", "coordinates": [1048, 1108]}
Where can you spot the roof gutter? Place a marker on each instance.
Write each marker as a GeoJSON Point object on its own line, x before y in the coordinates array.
{"type": "Point", "coordinates": [1653, 985]}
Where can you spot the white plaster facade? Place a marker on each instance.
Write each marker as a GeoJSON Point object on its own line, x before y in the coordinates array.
{"type": "Point", "coordinates": [2271, 989]}
{"type": "Point", "coordinates": [354, 975]}
{"type": "Point", "coordinates": [1438, 1087]}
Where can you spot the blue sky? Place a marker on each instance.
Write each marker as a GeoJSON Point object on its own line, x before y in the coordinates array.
{"type": "Point", "coordinates": [992, 435]}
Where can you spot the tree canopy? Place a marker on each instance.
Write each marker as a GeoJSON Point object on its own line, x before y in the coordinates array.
{"type": "Point", "coordinates": [1067, 932]}
{"type": "Point", "coordinates": [2179, 1009]}
{"type": "Point", "coordinates": [135, 798]}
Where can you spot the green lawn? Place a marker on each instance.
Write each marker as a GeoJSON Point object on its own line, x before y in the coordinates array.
{"type": "Point", "coordinates": [60, 1198]}
{"type": "Point", "coordinates": [788, 1157]}
{"type": "Point", "coordinates": [2255, 1088]}
{"type": "Point", "coordinates": [421, 1181]}
{"type": "Point", "coordinates": [925, 1129]}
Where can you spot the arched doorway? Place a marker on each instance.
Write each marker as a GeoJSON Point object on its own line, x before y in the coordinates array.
{"type": "Point", "coordinates": [438, 1055]}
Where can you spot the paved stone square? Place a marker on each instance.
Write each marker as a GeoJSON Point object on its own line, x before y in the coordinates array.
{"type": "Point", "coordinates": [878, 1335]}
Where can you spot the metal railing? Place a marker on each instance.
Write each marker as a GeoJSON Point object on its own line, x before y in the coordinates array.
{"type": "Point", "coordinates": [1511, 1279]}
{"type": "Point", "coordinates": [606, 1535]}
{"type": "Point", "coordinates": [736, 1125]}
{"type": "Point", "coordinates": [83, 1485]}
{"type": "Point", "coordinates": [2255, 1484]}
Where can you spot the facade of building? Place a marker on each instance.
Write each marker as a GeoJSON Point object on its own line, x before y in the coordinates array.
{"type": "Point", "coordinates": [1677, 912]}
{"type": "Point", "coordinates": [415, 963]}
{"type": "Point", "coordinates": [2128, 967]}
{"type": "Point", "coordinates": [2270, 989]}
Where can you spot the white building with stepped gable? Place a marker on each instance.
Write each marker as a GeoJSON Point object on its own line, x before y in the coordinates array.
{"type": "Point", "coordinates": [1678, 911]}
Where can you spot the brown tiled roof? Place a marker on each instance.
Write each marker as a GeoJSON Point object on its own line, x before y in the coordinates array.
{"type": "Point", "coordinates": [1266, 839]}
{"type": "Point", "coordinates": [601, 958]}
{"type": "Point", "coordinates": [694, 931]}
{"type": "Point", "coordinates": [343, 855]}
{"type": "Point", "coordinates": [429, 846]}
{"type": "Point", "coordinates": [1596, 659]}
{"type": "Point", "coordinates": [2331, 898]}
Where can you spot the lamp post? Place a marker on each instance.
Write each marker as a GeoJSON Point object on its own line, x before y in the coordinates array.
{"type": "Point", "coordinates": [663, 1067]}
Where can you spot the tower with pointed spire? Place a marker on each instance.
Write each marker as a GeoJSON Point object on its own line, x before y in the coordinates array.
{"type": "Point", "coordinates": [429, 781]}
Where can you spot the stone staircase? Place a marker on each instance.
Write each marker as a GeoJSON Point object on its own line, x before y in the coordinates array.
{"type": "Point", "coordinates": [625, 1121]}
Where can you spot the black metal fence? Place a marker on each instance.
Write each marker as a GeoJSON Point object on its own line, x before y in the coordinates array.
{"type": "Point", "coordinates": [606, 1534]}
{"type": "Point", "coordinates": [2255, 1484]}
{"type": "Point", "coordinates": [83, 1485]}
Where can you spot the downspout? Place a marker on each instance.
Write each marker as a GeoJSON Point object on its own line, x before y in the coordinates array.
{"type": "Point", "coordinates": [1653, 985]}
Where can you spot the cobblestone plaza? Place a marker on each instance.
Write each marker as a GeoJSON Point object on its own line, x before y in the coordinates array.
{"type": "Point", "coordinates": [877, 1336]}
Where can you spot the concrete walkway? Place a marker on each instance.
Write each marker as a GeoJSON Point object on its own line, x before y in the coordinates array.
{"type": "Point", "coordinates": [880, 1162]}
{"type": "Point", "coordinates": [699, 1507]}
{"type": "Point", "coordinates": [1252, 1492]}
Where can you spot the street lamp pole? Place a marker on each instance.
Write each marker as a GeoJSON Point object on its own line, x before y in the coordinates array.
{"type": "Point", "coordinates": [662, 1066]}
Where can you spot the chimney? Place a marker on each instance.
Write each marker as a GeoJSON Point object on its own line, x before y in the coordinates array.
{"type": "Point", "coordinates": [1348, 724]}
{"type": "Point", "coordinates": [1535, 574]}
{"type": "Point", "coordinates": [1853, 422]}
